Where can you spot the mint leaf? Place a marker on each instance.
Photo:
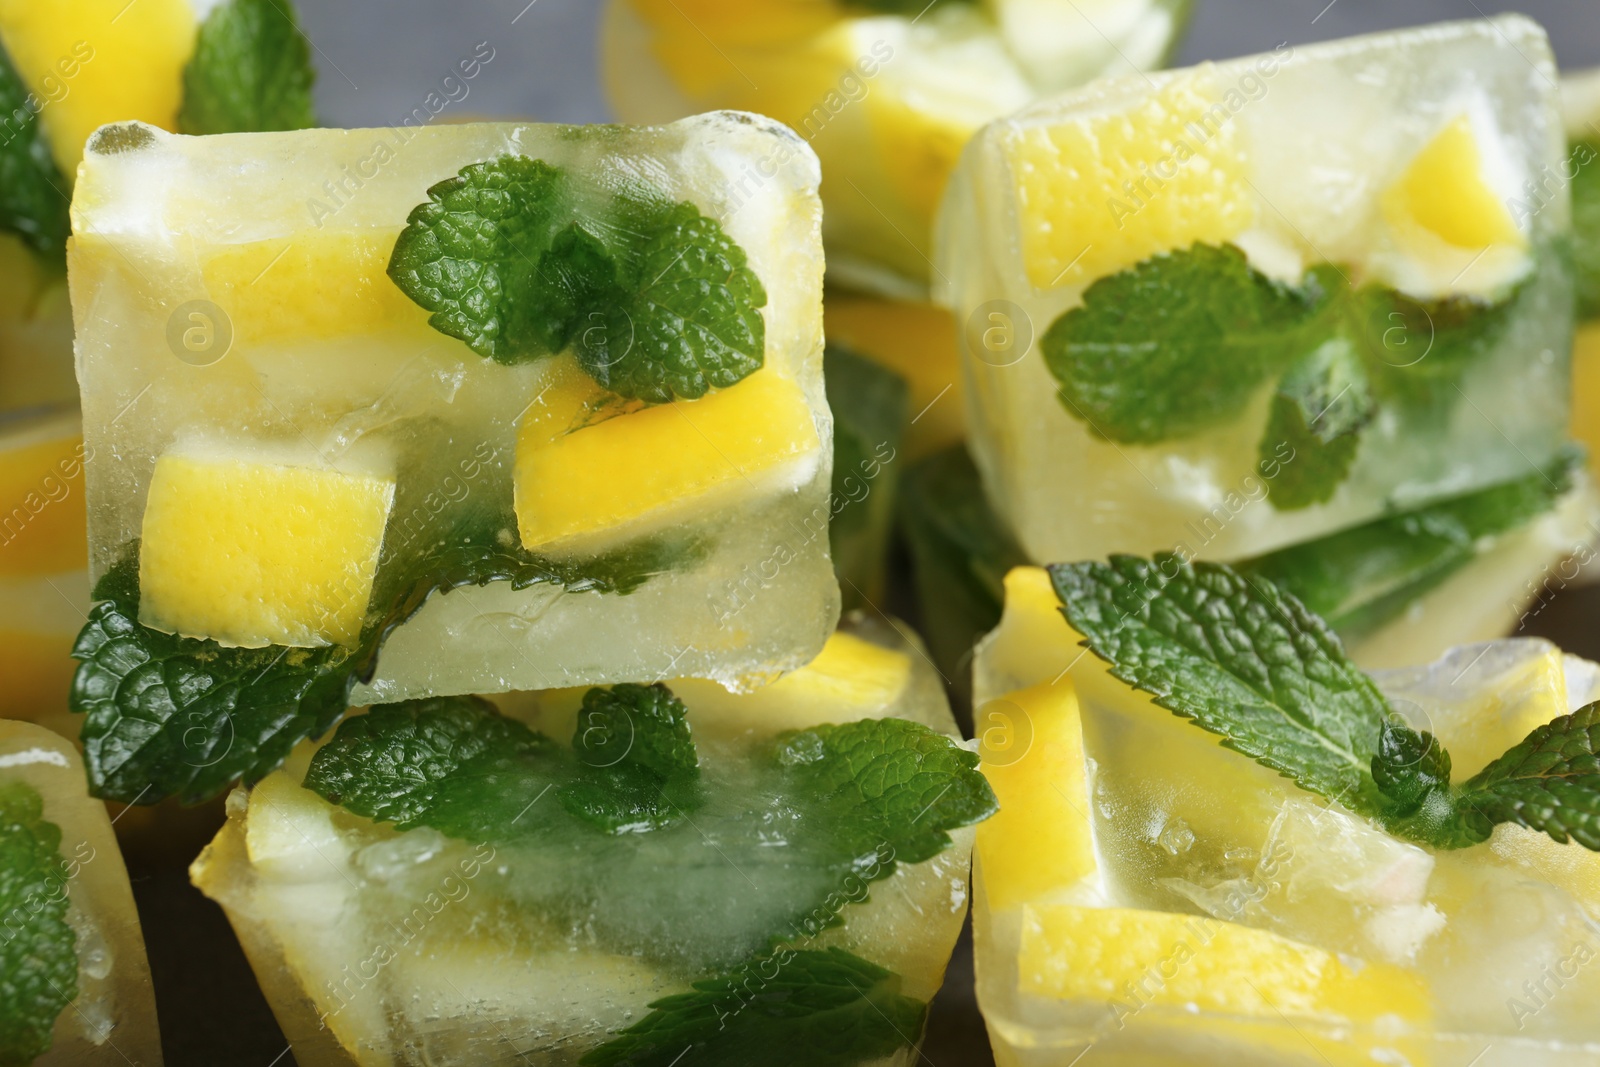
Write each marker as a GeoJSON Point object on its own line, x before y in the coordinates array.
{"type": "Point", "coordinates": [683, 317]}
{"type": "Point", "coordinates": [38, 952]}
{"type": "Point", "coordinates": [1416, 350]}
{"type": "Point", "coordinates": [820, 1008]}
{"type": "Point", "coordinates": [250, 72]}
{"type": "Point", "coordinates": [1550, 783]}
{"type": "Point", "coordinates": [1239, 658]}
{"type": "Point", "coordinates": [33, 197]}
{"type": "Point", "coordinates": [640, 767]}
{"type": "Point", "coordinates": [177, 716]}
{"type": "Point", "coordinates": [1361, 578]}
{"type": "Point", "coordinates": [513, 257]}
{"type": "Point", "coordinates": [1178, 343]}
{"type": "Point", "coordinates": [1321, 406]}
{"type": "Point", "coordinates": [1586, 226]}
{"type": "Point", "coordinates": [452, 763]}
{"type": "Point", "coordinates": [888, 782]}
{"type": "Point", "coordinates": [870, 405]}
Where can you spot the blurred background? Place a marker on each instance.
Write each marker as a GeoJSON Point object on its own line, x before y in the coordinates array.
{"type": "Point", "coordinates": [379, 59]}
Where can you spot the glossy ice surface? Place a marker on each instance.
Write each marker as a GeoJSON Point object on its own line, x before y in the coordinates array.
{"type": "Point", "coordinates": [113, 1019]}
{"type": "Point", "coordinates": [1186, 904]}
{"type": "Point", "coordinates": [232, 303]}
{"type": "Point", "coordinates": [1295, 158]}
{"type": "Point", "coordinates": [414, 949]}
{"type": "Point", "coordinates": [887, 94]}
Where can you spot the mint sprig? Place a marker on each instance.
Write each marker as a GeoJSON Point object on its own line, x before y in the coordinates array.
{"type": "Point", "coordinates": [250, 72]}
{"type": "Point", "coordinates": [170, 716]}
{"type": "Point", "coordinates": [822, 1008]}
{"type": "Point", "coordinates": [1246, 661]}
{"type": "Point", "coordinates": [522, 259]}
{"type": "Point", "coordinates": [33, 193]}
{"type": "Point", "coordinates": [1180, 343]}
{"type": "Point", "coordinates": [38, 949]}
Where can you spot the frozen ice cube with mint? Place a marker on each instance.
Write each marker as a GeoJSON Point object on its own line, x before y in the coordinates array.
{"type": "Point", "coordinates": [1234, 307]}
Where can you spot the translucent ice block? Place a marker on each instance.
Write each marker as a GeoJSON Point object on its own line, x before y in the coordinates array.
{"type": "Point", "coordinates": [233, 308]}
{"type": "Point", "coordinates": [376, 946]}
{"type": "Point", "coordinates": [44, 586]}
{"type": "Point", "coordinates": [1230, 308]}
{"type": "Point", "coordinates": [66, 889]}
{"type": "Point", "coordinates": [1196, 906]}
{"type": "Point", "coordinates": [887, 92]}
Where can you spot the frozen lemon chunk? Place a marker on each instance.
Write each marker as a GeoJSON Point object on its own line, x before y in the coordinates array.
{"type": "Point", "coordinates": [887, 93]}
{"type": "Point", "coordinates": [77, 984]}
{"type": "Point", "coordinates": [918, 342]}
{"type": "Point", "coordinates": [1580, 105]}
{"type": "Point", "coordinates": [646, 468]}
{"type": "Point", "coordinates": [99, 61]}
{"type": "Point", "coordinates": [537, 933]}
{"type": "Point", "coordinates": [1106, 250]}
{"type": "Point", "coordinates": [254, 553]}
{"type": "Point", "coordinates": [636, 488]}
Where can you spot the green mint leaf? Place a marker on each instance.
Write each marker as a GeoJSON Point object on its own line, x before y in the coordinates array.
{"type": "Point", "coordinates": [453, 763]}
{"type": "Point", "coordinates": [820, 1008]}
{"type": "Point", "coordinates": [1361, 578]}
{"type": "Point", "coordinates": [33, 193]}
{"type": "Point", "coordinates": [1237, 657]}
{"type": "Point", "coordinates": [1410, 768]}
{"type": "Point", "coordinates": [170, 716]}
{"type": "Point", "coordinates": [38, 951]}
{"type": "Point", "coordinates": [1586, 225]}
{"type": "Point", "coordinates": [250, 72]}
{"type": "Point", "coordinates": [684, 318]}
{"type": "Point", "coordinates": [1321, 406]}
{"type": "Point", "coordinates": [889, 782]}
{"type": "Point", "coordinates": [640, 769]}
{"type": "Point", "coordinates": [1417, 350]}
{"type": "Point", "coordinates": [1178, 343]}
{"type": "Point", "coordinates": [1550, 783]}
{"type": "Point", "coordinates": [513, 257]}
{"type": "Point", "coordinates": [177, 716]}
{"type": "Point", "coordinates": [871, 406]}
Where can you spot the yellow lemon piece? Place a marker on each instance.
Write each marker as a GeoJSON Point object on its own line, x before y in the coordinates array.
{"type": "Point", "coordinates": [290, 832]}
{"type": "Point", "coordinates": [1586, 391]}
{"type": "Point", "coordinates": [43, 523]}
{"type": "Point", "coordinates": [91, 62]}
{"type": "Point", "coordinates": [1507, 708]}
{"type": "Point", "coordinates": [1098, 194]}
{"type": "Point", "coordinates": [652, 465]}
{"type": "Point", "coordinates": [1034, 641]}
{"type": "Point", "coordinates": [918, 148]}
{"type": "Point", "coordinates": [277, 291]}
{"type": "Point", "coordinates": [851, 679]}
{"type": "Point", "coordinates": [1444, 191]}
{"type": "Point", "coordinates": [916, 341]}
{"type": "Point", "coordinates": [1098, 954]}
{"type": "Point", "coordinates": [1031, 744]}
{"type": "Point", "coordinates": [254, 553]}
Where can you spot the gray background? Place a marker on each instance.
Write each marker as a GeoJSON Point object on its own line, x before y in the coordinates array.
{"type": "Point", "coordinates": [378, 59]}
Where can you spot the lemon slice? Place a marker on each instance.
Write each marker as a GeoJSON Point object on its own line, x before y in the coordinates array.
{"type": "Point", "coordinates": [42, 517]}
{"type": "Point", "coordinates": [1203, 965]}
{"type": "Point", "coordinates": [1445, 191]}
{"type": "Point", "coordinates": [918, 342]}
{"type": "Point", "coordinates": [97, 61]}
{"type": "Point", "coordinates": [1041, 842]}
{"type": "Point", "coordinates": [1100, 193]}
{"type": "Point", "coordinates": [1586, 391]}
{"type": "Point", "coordinates": [259, 553]}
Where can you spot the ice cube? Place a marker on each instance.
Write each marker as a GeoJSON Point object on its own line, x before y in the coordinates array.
{"type": "Point", "coordinates": [1217, 896]}
{"type": "Point", "coordinates": [233, 305]}
{"type": "Point", "coordinates": [1580, 106]}
{"type": "Point", "coordinates": [1376, 178]}
{"type": "Point", "coordinates": [409, 947]}
{"type": "Point", "coordinates": [887, 95]}
{"type": "Point", "coordinates": [112, 1017]}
